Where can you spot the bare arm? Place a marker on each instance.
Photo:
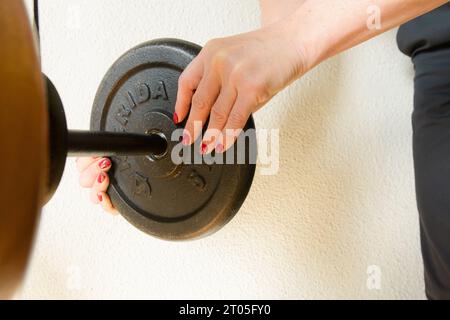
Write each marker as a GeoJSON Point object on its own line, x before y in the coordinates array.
{"type": "Point", "coordinates": [274, 10]}
{"type": "Point", "coordinates": [235, 76]}
{"type": "Point", "coordinates": [327, 27]}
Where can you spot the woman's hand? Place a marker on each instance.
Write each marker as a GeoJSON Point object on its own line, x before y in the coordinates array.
{"type": "Point", "coordinates": [94, 175]}
{"type": "Point", "coordinates": [233, 77]}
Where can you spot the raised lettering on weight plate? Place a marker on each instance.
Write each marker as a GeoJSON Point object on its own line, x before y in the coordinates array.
{"type": "Point", "coordinates": [141, 186]}
{"type": "Point", "coordinates": [122, 163]}
{"type": "Point", "coordinates": [122, 115]}
{"type": "Point", "coordinates": [160, 91]}
{"type": "Point", "coordinates": [143, 93]}
{"type": "Point", "coordinates": [130, 99]}
{"type": "Point", "coordinates": [197, 180]}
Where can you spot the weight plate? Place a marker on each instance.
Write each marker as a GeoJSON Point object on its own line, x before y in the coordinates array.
{"type": "Point", "coordinates": [166, 200]}
{"type": "Point", "coordinates": [23, 144]}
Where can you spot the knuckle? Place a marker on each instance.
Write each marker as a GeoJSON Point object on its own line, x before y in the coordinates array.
{"type": "Point", "coordinates": [258, 89]}
{"type": "Point", "coordinates": [218, 116]}
{"type": "Point", "coordinates": [237, 76]}
{"type": "Point", "coordinates": [223, 60]}
{"type": "Point", "coordinates": [261, 92]}
{"type": "Point", "coordinates": [199, 103]}
{"type": "Point", "coordinates": [83, 183]}
{"type": "Point", "coordinates": [237, 119]}
{"type": "Point", "coordinates": [184, 81]}
{"type": "Point", "coordinates": [219, 59]}
{"type": "Point", "coordinates": [249, 83]}
{"type": "Point", "coordinates": [213, 43]}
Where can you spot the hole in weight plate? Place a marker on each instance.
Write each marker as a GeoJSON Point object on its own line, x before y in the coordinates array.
{"type": "Point", "coordinates": [159, 140]}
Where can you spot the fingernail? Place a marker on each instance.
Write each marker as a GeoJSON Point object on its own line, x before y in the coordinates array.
{"type": "Point", "coordinates": [101, 178]}
{"type": "Point", "coordinates": [219, 148]}
{"type": "Point", "coordinates": [186, 139]}
{"type": "Point", "coordinates": [105, 163]}
{"type": "Point", "coordinates": [204, 148]}
{"type": "Point", "coordinates": [175, 118]}
{"type": "Point", "coordinates": [100, 197]}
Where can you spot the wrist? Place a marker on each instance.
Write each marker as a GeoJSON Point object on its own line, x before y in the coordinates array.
{"type": "Point", "coordinates": [314, 40]}
{"type": "Point", "coordinates": [322, 29]}
{"type": "Point", "coordinates": [304, 44]}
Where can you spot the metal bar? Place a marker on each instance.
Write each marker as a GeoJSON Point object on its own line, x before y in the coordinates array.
{"type": "Point", "coordinates": [36, 17]}
{"type": "Point", "coordinates": [89, 143]}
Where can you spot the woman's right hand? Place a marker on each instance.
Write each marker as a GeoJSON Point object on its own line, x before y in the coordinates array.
{"type": "Point", "coordinates": [94, 175]}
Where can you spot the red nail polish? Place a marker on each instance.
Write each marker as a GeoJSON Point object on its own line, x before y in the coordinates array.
{"type": "Point", "coordinates": [105, 163]}
{"type": "Point", "coordinates": [101, 178]}
{"type": "Point", "coordinates": [219, 148]}
{"type": "Point", "coordinates": [204, 148]}
{"type": "Point", "coordinates": [175, 118]}
{"type": "Point", "coordinates": [186, 139]}
{"type": "Point", "coordinates": [100, 197]}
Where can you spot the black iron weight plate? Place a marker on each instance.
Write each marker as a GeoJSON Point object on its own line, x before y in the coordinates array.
{"type": "Point", "coordinates": [173, 202]}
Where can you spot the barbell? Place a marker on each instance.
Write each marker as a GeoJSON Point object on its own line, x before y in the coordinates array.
{"type": "Point", "coordinates": [131, 122]}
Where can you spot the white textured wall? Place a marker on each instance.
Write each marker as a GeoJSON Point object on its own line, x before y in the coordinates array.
{"type": "Point", "coordinates": [343, 199]}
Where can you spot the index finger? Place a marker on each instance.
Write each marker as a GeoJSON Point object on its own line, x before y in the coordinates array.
{"type": "Point", "coordinates": [187, 84]}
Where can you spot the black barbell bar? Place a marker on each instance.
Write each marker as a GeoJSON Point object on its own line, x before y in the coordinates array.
{"type": "Point", "coordinates": [102, 143]}
{"type": "Point", "coordinates": [78, 143]}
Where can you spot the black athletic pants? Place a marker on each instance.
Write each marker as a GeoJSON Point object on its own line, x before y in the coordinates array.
{"type": "Point", "coordinates": [427, 41]}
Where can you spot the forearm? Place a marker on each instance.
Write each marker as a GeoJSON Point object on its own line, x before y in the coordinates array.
{"type": "Point", "coordinates": [324, 28]}
{"type": "Point", "coordinates": [276, 10]}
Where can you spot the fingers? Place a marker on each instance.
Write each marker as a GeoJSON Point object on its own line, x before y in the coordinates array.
{"type": "Point", "coordinates": [218, 118]}
{"type": "Point", "coordinates": [92, 170]}
{"type": "Point", "coordinates": [100, 185]}
{"type": "Point", "coordinates": [106, 203]}
{"type": "Point", "coordinates": [83, 163]}
{"type": "Point", "coordinates": [202, 101]}
{"type": "Point", "coordinates": [236, 121]}
{"type": "Point", "coordinates": [93, 174]}
{"type": "Point", "coordinates": [98, 193]}
{"type": "Point", "coordinates": [187, 84]}
{"type": "Point", "coordinates": [210, 87]}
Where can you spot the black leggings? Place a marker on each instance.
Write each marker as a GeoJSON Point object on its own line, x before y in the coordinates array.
{"type": "Point", "coordinates": [427, 41]}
